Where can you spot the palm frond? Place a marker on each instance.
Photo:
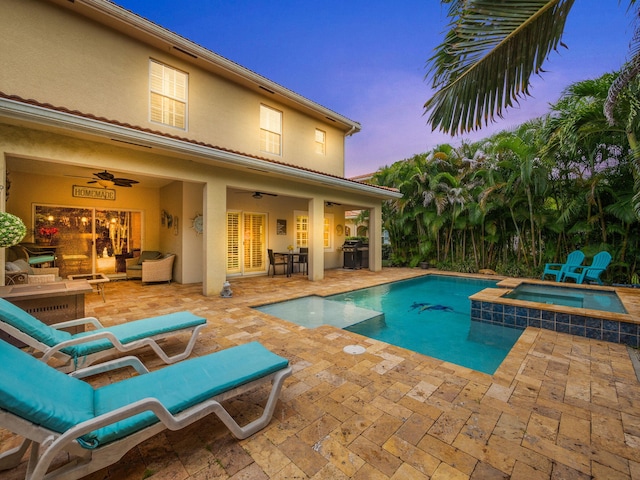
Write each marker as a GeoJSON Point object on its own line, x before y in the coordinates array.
{"type": "Point", "coordinates": [629, 71]}
{"type": "Point", "coordinates": [487, 58]}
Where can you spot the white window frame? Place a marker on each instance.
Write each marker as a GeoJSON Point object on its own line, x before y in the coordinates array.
{"type": "Point", "coordinates": [171, 87]}
{"type": "Point", "coordinates": [270, 130]}
{"type": "Point", "coordinates": [301, 226]}
{"type": "Point", "coordinates": [327, 234]}
{"type": "Point", "coordinates": [301, 233]}
{"type": "Point", "coordinates": [321, 142]}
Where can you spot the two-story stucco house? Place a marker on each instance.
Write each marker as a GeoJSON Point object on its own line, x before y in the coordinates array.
{"type": "Point", "coordinates": [117, 135]}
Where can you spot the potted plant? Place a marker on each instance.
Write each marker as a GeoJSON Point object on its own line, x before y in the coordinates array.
{"type": "Point", "coordinates": [12, 230]}
{"type": "Point", "coordinates": [46, 234]}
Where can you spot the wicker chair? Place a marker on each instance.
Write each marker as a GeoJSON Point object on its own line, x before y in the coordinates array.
{"type": "Point", "coordinates": [134, 265]}
{"type": "Point", "coordinates": [19, 271]}
{"type": "Point", "coordinates": [160, 270]}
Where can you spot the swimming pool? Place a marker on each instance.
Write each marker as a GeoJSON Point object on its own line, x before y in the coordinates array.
{"type": "Point", "coordinates": [429, 315]}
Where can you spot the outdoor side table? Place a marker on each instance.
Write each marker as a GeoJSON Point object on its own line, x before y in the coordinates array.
{"type": "Point", "coordinates": [97, 279]}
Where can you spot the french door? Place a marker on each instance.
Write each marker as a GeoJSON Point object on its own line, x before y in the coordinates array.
{"type": "Point", "coordinates": [246, 242]}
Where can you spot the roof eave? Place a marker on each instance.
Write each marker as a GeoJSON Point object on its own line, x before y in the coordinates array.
{"type": "Point", "coordinates": [34, 114]}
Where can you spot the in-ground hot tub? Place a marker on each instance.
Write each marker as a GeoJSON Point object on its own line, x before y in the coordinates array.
{"type": "Point", "coordinates": [591, 298]}
{"type": "Point", "coordinates": [594, 312]}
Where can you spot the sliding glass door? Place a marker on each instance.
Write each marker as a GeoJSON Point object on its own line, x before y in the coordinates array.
{"type": "Point", "coordinates": [88, 240]}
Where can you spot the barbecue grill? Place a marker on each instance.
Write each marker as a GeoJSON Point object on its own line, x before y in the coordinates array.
{"type": "Point", "coordinates": [352, 254]}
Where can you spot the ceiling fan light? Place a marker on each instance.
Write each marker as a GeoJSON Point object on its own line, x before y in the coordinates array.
{"type": "Point", "coordinates": [105, 183]}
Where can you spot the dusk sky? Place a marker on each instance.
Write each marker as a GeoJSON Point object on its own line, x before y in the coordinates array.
{"type": "Point", "coordinates": [367, 59]}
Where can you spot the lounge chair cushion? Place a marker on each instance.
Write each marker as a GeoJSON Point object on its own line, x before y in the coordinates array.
{"type": "Point", "coordinates": [30, 325]}
{"type": "Point", "coordinates": [129, 332]}
{"type": "Point", "coordinates": [185, 385]}
{"type": "Point", "coordinates": [22, 265]}
{"type": "Point", "coordinates": [36, 392]}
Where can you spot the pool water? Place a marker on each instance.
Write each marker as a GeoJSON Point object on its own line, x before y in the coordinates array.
{"type": "Point", "coordinates": [570, 297]}
{"type": "Point", "coordinates": [429, 315]}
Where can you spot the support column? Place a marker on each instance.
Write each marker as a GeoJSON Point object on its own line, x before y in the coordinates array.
{"type": "Point", "coordinates": [375, 239]}
{"type": "Point", "coordinates": [214, 244]}
{"type": "Point", "coordinates": [316, 246]}
{"type": "Point", "coordinates": [3, 205]}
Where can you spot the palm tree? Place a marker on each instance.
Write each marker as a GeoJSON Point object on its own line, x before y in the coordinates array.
{"type": "Point", "coordinates": [486, 60]}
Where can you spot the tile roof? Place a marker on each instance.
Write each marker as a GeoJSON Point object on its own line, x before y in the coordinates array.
{"type": "Point", "coordinates": [90, 116]}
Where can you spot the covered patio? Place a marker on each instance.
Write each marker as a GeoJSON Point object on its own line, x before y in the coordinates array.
{"type": "Point", "coordinates": [559, 406]}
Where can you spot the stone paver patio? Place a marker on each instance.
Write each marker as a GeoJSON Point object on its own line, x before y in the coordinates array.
{"type": "Point", "coordinates": [559, 407]}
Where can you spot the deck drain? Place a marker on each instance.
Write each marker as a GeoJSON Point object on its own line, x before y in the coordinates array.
{"type": "Point", "coordinates": [354, 349]}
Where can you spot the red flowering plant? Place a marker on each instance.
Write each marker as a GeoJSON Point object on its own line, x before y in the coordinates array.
{"type": "Point", "coordinates": [47, 232]}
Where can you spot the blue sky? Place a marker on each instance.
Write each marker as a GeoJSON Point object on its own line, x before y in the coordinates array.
{"type": "Point", "coordinates": [366, 59]}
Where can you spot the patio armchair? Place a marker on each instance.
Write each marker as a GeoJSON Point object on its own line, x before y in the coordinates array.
{"type": "Point", "coordinates": [160, 270]}
{"type": "Point", "coordinates": [558, 270]}
{"type": "Point", "coordinates": [86, 428]}
{"type": "Point", "coordinates": [20, 272]}
{"type": "Point", "coordinates": [591, 273]}
{"type": "Point", "coordinates": [134, 265]}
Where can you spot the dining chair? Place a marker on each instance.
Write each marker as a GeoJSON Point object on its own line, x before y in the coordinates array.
{"type": "Point", "coordinates": [275, 260]}
{"type": "Point", "coordinates": [302, 260]}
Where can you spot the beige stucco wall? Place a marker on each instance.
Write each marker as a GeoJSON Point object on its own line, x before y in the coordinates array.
{"type": "Point", "coordinates": [52, 55]}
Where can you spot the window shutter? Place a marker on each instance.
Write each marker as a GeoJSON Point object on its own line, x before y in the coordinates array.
{"type": "Point", "coordinates": [233, 242]}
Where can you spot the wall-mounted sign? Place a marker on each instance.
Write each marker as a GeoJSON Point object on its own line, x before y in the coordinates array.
{"type": "Point", "coordinates": [83, 191]}
{"type": "Point", "coordinates": [281, 227]}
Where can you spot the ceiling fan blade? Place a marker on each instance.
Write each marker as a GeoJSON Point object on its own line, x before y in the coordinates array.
{"type": "Point", "coordinates": [105, 175]}
{"type": "Point", "coordinates": [124, 182]}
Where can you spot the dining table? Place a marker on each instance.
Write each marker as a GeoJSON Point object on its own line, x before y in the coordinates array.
{"type": "Point", "coordinates": [289, 256]}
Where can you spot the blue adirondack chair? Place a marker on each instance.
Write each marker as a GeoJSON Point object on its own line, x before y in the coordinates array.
{"type": "Point", "coordinates": [558, 270]}
{"type": "Point", "coordinates": [592, 272]}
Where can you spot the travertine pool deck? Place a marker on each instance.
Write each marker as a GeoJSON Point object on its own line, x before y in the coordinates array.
{"type": "Point", "coordinates": [559, 407]}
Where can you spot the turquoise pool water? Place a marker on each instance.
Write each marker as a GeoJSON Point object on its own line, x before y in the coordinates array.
{"type": "Point", "coordinates": [570, 297]}
{"type": "Point", "coordinates": [429, 315]}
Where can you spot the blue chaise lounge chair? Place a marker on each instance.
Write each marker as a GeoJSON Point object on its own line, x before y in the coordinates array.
{"type": "Point", "coordinates": [591, 273]}
{"type": "Point", "coordinates": [57, 413]}
{"type": "Point", "coordinates": [557, 270]}
{"type": "Point", "coordinates": [83, 349]}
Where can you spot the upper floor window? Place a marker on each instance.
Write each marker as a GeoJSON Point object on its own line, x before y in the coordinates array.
{"type": "Point", "coordinates": [168, 100]}
{"type": "Point", "coordinates": [321, 141]}
{"type": "Point", "coordinates": [270, 130]}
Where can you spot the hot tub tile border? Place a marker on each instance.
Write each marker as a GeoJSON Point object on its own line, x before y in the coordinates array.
{"type": "Point", "coordinates": [520, 317]}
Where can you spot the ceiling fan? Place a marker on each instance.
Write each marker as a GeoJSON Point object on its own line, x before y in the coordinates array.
{"type": "Point", "coordinates": [106, 179]}
{"type": "Point", "coordinates": [259, 195]}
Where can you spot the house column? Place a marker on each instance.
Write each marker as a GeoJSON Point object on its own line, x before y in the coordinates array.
{"type": "Point", "coordinates": [316, 239]}
{"type": "Point", "coordinates": [375, 239]}
{"type": "Point", "coordinates": [214, 244]}
{"type": "Point", "coordinates": [3, 204]}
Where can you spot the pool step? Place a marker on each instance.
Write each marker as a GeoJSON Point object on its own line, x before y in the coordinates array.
{"type": "Point", "coordinates": [314, 311]}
